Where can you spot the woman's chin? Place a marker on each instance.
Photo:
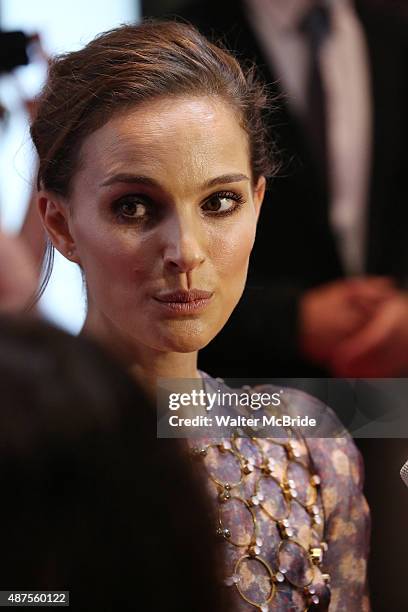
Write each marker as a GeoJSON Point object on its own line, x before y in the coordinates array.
{"type": "Point", "coordinates": [184, 344]}
{"type": "Point", "coordinates": [187, 338]}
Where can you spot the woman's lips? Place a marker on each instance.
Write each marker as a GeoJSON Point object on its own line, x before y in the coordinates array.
{"type": "Point", "coordinates": [184, 302]}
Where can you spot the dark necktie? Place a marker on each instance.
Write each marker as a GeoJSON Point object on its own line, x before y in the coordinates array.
{"type": "Point", "coordinates": [316, 27]}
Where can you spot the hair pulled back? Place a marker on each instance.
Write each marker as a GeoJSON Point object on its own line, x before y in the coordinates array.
{"type": "Point", "coordinates": [133, 64]}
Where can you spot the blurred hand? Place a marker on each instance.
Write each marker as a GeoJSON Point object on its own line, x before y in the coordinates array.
{"type": "Point", "coordinates": [18, 274]}
{"type": "Point", "coordinates": [334, 312]}
{"type": "Point", "coordinates": [380, 348]}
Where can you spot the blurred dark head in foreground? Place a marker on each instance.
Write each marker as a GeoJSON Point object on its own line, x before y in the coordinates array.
{"type": "Point", "coordinates": [91, 501]}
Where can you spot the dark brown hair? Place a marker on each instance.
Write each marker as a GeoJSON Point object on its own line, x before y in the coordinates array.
{"type": "Point", "coordinates": [132, 64]}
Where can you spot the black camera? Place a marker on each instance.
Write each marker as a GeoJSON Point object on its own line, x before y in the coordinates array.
{"type": "Point", "coordinates": [13, 50]}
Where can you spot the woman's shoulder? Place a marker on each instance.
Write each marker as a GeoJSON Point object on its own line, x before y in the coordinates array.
{"type": "Point", "coordinates": [332, 449]}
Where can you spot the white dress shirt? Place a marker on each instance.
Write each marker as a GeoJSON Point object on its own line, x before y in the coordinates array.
{"type": "Point", "coordinates": [345, 75]}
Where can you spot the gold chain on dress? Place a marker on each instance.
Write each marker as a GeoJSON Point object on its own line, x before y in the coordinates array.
{"type": "Point", "coordinates": [267, 480]}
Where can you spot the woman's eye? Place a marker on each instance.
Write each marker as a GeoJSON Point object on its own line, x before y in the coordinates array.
{"type": "Point", "coordinates": [132, 209]}
{"type": "Point", "coordinates": [222, 203]}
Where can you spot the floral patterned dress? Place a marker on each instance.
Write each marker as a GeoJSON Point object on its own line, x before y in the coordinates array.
{"type": "Point", "coordinates": [292, 520]}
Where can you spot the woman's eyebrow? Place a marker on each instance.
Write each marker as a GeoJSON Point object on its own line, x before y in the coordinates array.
{"type": "Point", "coordinates": [226, 178]}
{"type": "Point", "coordinates": [151, 182]}
{"type": "Point", "coordinates": [129, 178]}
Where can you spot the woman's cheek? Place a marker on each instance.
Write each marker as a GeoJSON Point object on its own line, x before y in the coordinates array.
{"type": "Point", "coordinates": [108, 248]}
{"type": "Point", "coordinates": [234, 247]}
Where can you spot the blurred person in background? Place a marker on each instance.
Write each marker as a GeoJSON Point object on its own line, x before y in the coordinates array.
{"type": "Point", "coordinates": [20, 253]}
{"type": "Point", "coordinates": [19, 273]}
{"type": "Point", "coordinates": [92, 503]}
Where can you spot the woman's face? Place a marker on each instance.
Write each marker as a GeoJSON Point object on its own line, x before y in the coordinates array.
{"type": "Point", "coordinates": [162, 219]}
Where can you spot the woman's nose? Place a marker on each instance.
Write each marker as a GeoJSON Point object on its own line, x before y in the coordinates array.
{"type": "Point", "coordinates": [183, 249]}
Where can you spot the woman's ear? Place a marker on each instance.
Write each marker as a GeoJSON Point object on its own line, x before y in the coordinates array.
{"type": "Point", "coordinates": [54, 213]}
{"type": "Point", "coordinates": [259, 192]}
